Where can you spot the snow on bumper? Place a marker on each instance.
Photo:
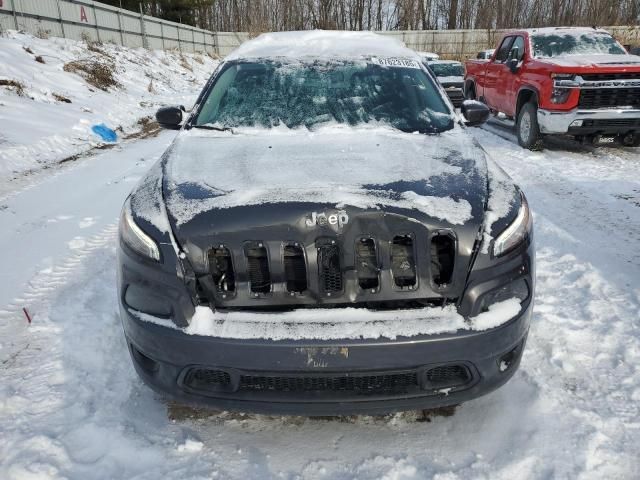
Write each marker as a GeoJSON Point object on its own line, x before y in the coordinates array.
{"type": "Point", "coordinates": [561, 122]}
{"type": "Point", "coordinates": [355, 375]}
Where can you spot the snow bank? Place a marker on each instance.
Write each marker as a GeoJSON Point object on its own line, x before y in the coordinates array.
{"type": "Point", "coordinates": [50, 117]}
{"type": "Point", "coordinates": [344, 323]}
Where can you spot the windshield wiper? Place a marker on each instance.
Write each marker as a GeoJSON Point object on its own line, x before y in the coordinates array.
{"type": "Point", "coordinates": [213, 127]}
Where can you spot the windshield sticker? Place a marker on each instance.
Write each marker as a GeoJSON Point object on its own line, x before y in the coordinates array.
{"type": "Point", "coordinates": [395, 62]}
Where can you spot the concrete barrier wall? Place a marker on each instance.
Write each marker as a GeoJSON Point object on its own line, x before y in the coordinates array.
{"type": "Point", "coordinates": [89, 20]}
{"type": "Point", "coordinates": [86, 19]}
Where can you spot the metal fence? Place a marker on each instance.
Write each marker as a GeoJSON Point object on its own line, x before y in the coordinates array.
{"type": "Point", "coordinates": [86, 19]}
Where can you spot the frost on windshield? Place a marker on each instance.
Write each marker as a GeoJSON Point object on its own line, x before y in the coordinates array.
{"type": "Point", "coordinates": [575, 43]}
{"type": "Point", "coordinates": [313, 93]}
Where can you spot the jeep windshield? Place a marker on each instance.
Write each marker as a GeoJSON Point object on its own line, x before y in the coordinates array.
{"type": "Point", "coordinates": [270, 94]}
{"type": "Point", "coordinates": [560, 44]}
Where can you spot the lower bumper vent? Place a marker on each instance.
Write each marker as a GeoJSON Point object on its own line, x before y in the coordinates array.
{"type": "Point", "coordinates": [390, 383]}
{"type": "Point", "coordinates": [447, 376]}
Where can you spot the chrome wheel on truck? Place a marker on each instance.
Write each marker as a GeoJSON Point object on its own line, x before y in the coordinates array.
{"type": "Point", "coordinates": [527, 128]}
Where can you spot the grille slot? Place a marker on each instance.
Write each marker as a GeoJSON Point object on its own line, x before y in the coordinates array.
{"type": "Point", "coordinates": [592, 77]}
{"type": "Point", "coordinates": [207, 379]}
{"type": "Point", "coordinates": [329, 269]}
{"type": "Point", "coordinates": [443, 254]}
{"type": "Point", "coordinates": [403, 265]}
{"type": "Point", "coordinates": [367, 264]}
{"type": "Point", "coordinates": [612, 122]}
{"type": "Point", "coordinates": [365, 384]}
{"type": "Point", "coordinates": [221, 268]}
{"type": "Point", "coordinates": [295, 269]}
{"type": "Point", "coordinates": [447, 376]}
{"type": "Point", "coordinates": [609, 97]}
{"type": "Point", "coordinates": [258, 266]}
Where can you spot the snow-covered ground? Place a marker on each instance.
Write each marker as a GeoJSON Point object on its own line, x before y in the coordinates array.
{"type": "Point", "coordinates": [46, 112]}
{"type": "Point", "coordinates": [71, 405]}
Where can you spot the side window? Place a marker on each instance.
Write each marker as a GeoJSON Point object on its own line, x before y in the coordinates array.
{"type": "Point", "coordinates": [519, 44]}
{"type": "Point", "coordinates": [504, 49]}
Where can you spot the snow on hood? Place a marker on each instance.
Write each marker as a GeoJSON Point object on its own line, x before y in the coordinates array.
{"type": "Point", "coordinates": [592, 60]}
{"type": "Point", "coordinates": [322, 44]}
{"type": "Point", "coordinates": [369, 168]}
{"type": "Point", "coordinates": [451, 79]}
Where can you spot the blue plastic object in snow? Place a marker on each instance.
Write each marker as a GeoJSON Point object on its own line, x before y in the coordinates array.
{"type": "Point", "coordinates": [104, 132]}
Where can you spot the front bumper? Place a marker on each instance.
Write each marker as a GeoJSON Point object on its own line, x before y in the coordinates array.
{"type": "Point", "coordinates": [291, 377]}
{"type": "Point", "coordinates": [603, 121]}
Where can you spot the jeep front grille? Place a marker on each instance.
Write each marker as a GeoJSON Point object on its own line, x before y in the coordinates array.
{"type": "Point", "coordinates": [295, 268]}
{"type": "Point", "coordinates": [367, 264]}
{"type": "Point", "coordinates": [329, 270]}
{"type": "Point", "coordinates": [403, 265]}
{"type": "Point", "coordinates": [258, 269]}
{"type": "Point", "coordinates": [221, 268]}
{"type": "Point", "coordinates": [443, 254]}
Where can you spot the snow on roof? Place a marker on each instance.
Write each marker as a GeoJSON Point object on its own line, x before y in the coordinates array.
{"type": "Point", "coordinates": [445, 62]}
{"type": "Point", "coordinates": [321, 43]}
{"type": "Point", "coordinates": [564, 30]}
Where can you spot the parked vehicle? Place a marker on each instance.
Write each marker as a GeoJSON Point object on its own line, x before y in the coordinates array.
{"type": "Point", "coordinates": [450, 74]}
{"type": "Point", "coordinates": [428, 56]}
{"type": "Point", "coordinates": [576, 81]}
{"type": "Point", "coordinates": [323, 237]}
{"type": "Point", "coordinates": [485, 54]}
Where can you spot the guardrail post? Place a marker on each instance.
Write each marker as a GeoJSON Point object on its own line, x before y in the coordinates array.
{"type": "Point", "coordinates": [142, 29]}
{"type": "Point", "coordinates": [95, 19]}
{"type": "Point", "coordinates": [162, 34]}
{"type": "Point", "coordinates": [13, 10]}
{"type": "Point", "coordinates": [60, 17]}
{"type": "Point", "coordinates": [193, 39]}
{"type": "Point", "coordinates": [120, 29]}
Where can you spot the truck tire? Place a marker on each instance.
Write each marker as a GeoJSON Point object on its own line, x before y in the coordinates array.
{"type": "Point", "coordinates": [470, 92]}
{"type": "Point", "coordinates": [527, 129]}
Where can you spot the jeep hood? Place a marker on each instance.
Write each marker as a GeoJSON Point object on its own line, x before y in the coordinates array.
{"type": "Point", "coordinates": [248, 185]}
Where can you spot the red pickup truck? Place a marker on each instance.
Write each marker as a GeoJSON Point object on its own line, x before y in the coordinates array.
{"type": "Point", "coordinates": [576, 81]}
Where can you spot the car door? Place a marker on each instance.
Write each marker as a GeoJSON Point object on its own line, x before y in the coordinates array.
{"type": "Point", "coordinates": [495, 72]}
{"type": "Point", "coordinates": [509, 83]}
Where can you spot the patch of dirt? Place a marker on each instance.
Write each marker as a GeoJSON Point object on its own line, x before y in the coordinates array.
{"type": "Point", "coordinates": [148, 128]}
{"type": "Point", "coordinates": [61, 98]}
{"type": "Point", "coordinates": [13, 85]}
{"type": "Point", "coordinates": [430, 414]}
{"type": "Point", "coordinates": [97, 73]}
{"type": "Point", "coordinates": [28, 50]}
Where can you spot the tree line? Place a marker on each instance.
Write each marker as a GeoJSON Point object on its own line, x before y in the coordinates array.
{"type": "Point", "coordinates": [272, 15]}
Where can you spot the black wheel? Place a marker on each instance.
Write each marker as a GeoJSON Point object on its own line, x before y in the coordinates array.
{"type": "Point", "coordinates": [470, 92]}
{"type": "Point", "coordinates": [527, 128]}
{"type": "Point", "coordinates": [631, 140]}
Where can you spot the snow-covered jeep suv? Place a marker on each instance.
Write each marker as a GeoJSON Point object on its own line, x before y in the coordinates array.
{"type": "Point", "coordinates": [324, 236]}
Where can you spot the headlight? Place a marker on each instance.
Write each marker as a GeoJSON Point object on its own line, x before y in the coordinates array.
{"type": "Point", "coordinates": [515, 233]}
{"type": "Point", "coordinates": [560, 95]}
{"type": "Point", "coordinates": [134, 237]}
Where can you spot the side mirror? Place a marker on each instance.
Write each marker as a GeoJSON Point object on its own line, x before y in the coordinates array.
{"type": "Point", "coordinates": [512, 63]}
{"type": "Point", "coordinates": [169, 117]}
{"type": "Point", "coordinates": [476, 113]}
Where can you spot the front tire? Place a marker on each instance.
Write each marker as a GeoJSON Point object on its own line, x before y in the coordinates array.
{"type": "Point", "coordinates": [527, 128]}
